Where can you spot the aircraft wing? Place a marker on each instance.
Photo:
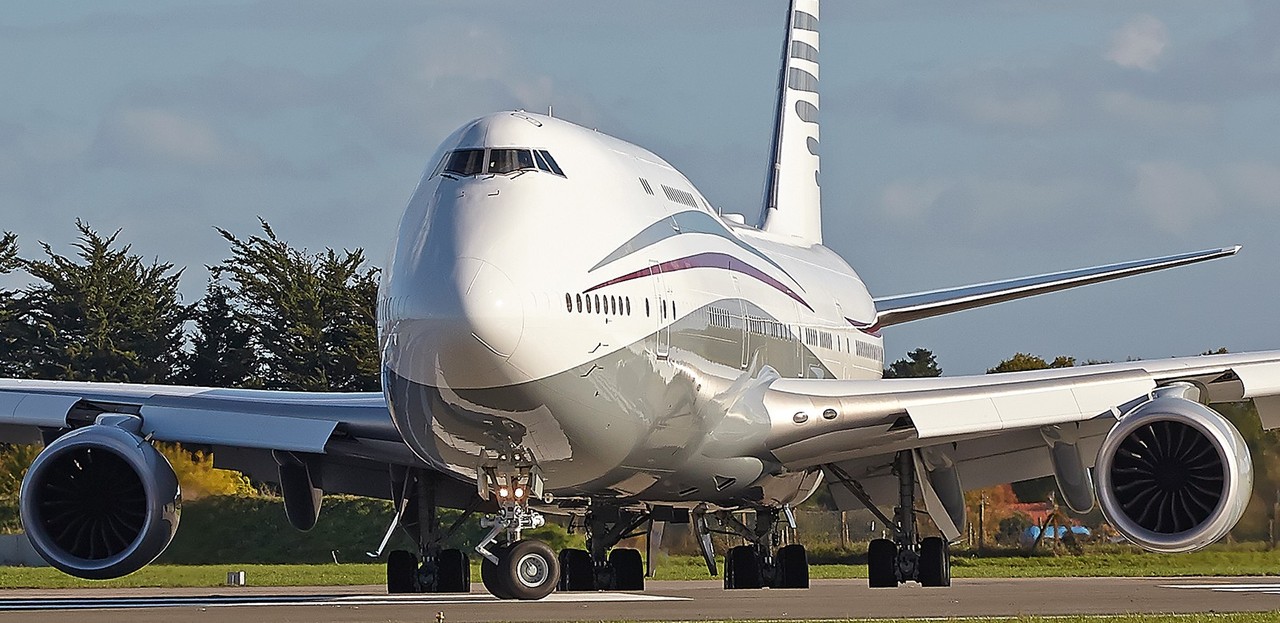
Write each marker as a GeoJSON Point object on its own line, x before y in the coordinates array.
{"type": "Point", "coordinates": [995, 428]}
{"type": "Point", "coordinates": [891, 310]}
{"type": "Point", "coordinates": [247, 429]}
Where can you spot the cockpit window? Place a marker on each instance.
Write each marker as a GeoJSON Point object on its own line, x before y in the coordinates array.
{"type": "Point", "coordinates": [469, 162]}
{"type": "Point", "coordinates": [465, 162]}
{"type": "Point", "coordinates": [551, 162]}
{"type": "Point", "coordinates": [509, 160]}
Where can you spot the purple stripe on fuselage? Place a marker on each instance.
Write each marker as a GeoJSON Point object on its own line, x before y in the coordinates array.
{"type": "Point", "coordinates": [707, 260]}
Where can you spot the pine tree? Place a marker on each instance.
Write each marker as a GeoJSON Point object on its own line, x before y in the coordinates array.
{"type": "Point", "coordinates": [313, 315]}
{"type": "Point", "coordinates": [223, 354]}
{"type": "Point", "coordinates": [918, 363]}
{"type": "Point", "coordinates": [105, 315]}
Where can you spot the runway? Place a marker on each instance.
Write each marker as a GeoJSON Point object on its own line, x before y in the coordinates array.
{"type": "Point", "coordinates": [701, 600]}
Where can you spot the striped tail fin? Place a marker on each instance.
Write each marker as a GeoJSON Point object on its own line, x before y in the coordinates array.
{"type": "Point", "coordinates": [793, 200]}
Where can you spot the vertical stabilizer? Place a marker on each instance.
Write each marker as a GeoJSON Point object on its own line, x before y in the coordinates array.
{"type": "Point", "coordinates": [792, 200]}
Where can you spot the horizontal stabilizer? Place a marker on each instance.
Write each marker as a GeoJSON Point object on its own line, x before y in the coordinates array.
{"type": "Point", "coordinates": [902, 308]}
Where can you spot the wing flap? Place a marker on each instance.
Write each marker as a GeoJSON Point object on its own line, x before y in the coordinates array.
{"type": "Point", "coordinates": [1030, 404]}
{"type": "Point", "coordinates": [36, 409]}
{"type": "Point", "coordinates": [237, 428]}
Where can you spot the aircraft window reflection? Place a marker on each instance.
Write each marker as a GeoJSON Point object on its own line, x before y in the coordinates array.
{"type": "Point", "coordinates": [465, 162]}
{"type": "Point", "coordinates": [510, 160]}
{"type": "Point", "coordinates": [469, 162]}
{"type": "Point", "coordinates": [555, 168]}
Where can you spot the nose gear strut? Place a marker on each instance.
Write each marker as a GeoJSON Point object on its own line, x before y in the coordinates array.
{"type": "Point", "coordinates": [514, 569]}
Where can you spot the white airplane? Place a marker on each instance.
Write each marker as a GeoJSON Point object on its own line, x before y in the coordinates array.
{"type": "Point", "coordinates": [568, 326]}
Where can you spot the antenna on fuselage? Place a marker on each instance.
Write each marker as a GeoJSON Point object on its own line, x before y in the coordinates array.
{"type": "Point", "coordinates": [551, 111]}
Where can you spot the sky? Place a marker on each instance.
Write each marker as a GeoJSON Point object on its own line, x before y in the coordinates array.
{"type": "Point", "coordinates": [961, 142]}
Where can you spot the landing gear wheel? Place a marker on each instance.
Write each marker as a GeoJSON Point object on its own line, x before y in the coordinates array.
{"type": "Point", "coordinates": [402, 572]}
{"type": "Point", "coordinates": [453, 572]}
{"type": "Point", "coordinates": [935, 562]}
{"type": "Point", "coordinates": [742, 568]}
{"type": "Point", "coordinates": [576, 572]}
{"type": "Point", "coordinates": [529, 570]}
{"type": "Point", "coordinates": [491, 574]}
{"type": "Point", "coordinates": [793, 567]}
{"type": "Point", "coordinates": [628, 569]}
{"type": "Point", "coordinates": [882, 556]}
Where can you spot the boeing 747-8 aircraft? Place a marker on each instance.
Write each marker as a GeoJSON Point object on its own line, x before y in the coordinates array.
{"type": "Point", "coordinates": [568, 326]}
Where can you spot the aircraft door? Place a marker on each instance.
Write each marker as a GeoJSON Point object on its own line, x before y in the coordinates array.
{"type": "Point", "coordinates": [739, 311]}
{"type": "Point", "coordinates": [661, 312]}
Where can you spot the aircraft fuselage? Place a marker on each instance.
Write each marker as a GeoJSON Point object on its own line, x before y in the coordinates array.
{"type": "Point", "coordinates": [557, 289]}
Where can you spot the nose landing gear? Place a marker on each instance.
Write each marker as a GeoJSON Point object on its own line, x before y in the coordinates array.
{"type": "Point", "coordinates": [517, 569]}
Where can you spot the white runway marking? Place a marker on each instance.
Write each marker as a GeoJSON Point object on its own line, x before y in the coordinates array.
{"type": "Point", "coordinates": [224, 601]}
{"type": "Point", "coordinates": [1270, 589]}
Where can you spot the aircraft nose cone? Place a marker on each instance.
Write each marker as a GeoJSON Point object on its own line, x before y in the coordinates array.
{"type": "Point", "coordinates": [493, 308]}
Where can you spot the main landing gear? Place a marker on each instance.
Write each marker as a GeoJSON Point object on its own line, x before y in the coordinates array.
{"type": "Point", "coordinates": [764, 561]}
{"type": "Point", "coordinates": [600, 567]}
{"type": "Point", "coordinates": [442, 570]}
{"type": "Point", "coordinates": [906, 557]}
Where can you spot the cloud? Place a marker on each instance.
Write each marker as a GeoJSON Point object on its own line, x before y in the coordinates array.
{"type": "Point", "coordinates": [1253, 184]}
{"type": "Point", "coordinates": [1139, 44]}
{"type": "Point", "coordinates": [165, 137]}
{"type": "Point", "coordinates": [1175, 197]}
{"type": "Point", "coordinates": [1034, 107]}
{"type": "Point", "coordinates": [1156, 114]}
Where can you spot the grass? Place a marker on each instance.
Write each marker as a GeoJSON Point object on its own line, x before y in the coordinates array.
{"type": "Point", "coordinates": [1115, 561]}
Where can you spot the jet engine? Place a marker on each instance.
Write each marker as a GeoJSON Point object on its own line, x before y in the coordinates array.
{"type": "Point", "coordinates": [1173, 475]}
{"type": "Point", "coordinates": [100, 502]}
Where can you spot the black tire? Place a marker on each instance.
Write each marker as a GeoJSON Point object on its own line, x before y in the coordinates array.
{"type": "Point", "coordinates": [576, 571]}
{"type": "Point", "coordinates": [402, 572]}
{"type": "Point", "coordinates": [490, 573]}
{"type": "Point", "coordinates": [742, 568]}
{"type": "Point", "coordinates": [882, 557]}
{"type": "Point", "coordinates": [529, 570]}
{"type": "Point", "coordinates": [453, 572]}
{"type": "Point", "coordinates": [935, 562]}
{"type": "Point", "coordinates": [628, 569]}
{"type": "Point", "coordinates": [793, 567]}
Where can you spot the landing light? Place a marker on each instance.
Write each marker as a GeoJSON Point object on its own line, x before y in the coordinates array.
{"type": "Point", "coordinates": [519, 493]}
{"type": "Point", "coordinates": [503, 492]}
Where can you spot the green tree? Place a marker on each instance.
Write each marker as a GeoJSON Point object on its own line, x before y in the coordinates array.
{"type": "Point", "coordinates": [13, 332]}
{"type": "Point", "coordinates": [1022, 362]}
{"type": "Point", "coordinates": [104, 315]}
{"type": "Point", "coordinates": [313, 314]}
{"type": "Point", "coordinates": [918, 363]}
{"type": "Point", "coordinates": [223, 354]}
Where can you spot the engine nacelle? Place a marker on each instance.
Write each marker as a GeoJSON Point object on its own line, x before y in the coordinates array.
{"type": "Point", "coordinates": [1173, 475]}
{"type": "Point", "coordinates": [100, 502]}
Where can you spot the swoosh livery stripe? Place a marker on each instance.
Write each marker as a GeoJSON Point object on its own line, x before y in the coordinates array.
{"type": "Point", "coordinates": [872, 329]}
{"type": "Point", "coordinates": [688, 222]}
{"type": "Point", "coordinates": [707, 260]}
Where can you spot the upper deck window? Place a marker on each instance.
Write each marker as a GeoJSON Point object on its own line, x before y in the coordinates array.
{"type": "Point", "coordinates": [465, 162]}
